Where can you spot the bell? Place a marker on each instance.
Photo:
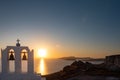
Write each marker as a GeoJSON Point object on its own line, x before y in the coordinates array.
{"type": "Point", "coordinates": [24, 57]}
{"type": "Point", "coordinates": [12, 57]}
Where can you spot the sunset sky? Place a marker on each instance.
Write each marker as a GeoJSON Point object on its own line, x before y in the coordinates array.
{"type": "Point", "coordinates": [84, 28]}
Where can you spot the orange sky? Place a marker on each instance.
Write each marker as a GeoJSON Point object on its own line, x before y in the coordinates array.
{"type": "Point", "coordinates": [62, 50]}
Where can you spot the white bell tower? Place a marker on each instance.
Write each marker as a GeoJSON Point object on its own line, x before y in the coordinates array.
{"type": "Point", "coordinates": [17, 54]}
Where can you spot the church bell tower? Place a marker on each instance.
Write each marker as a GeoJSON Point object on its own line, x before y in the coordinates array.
{"type": "Point", "coordinates": [18, 54]}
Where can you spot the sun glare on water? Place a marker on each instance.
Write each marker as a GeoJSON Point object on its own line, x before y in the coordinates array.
{"type": "Point", "coordinates": [42, 53]}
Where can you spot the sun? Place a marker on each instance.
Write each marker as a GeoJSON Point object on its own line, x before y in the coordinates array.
{"type": "Point", "coordinates": [42, 53]}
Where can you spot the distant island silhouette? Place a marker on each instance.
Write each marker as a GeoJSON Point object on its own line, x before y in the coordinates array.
{"type": "Point", "coordinates": [82, 58]}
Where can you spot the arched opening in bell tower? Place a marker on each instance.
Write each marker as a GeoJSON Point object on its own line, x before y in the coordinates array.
{"type": "Point", "coordinates": [24, 61]}
{"type": "Point", "coordinates": [11, 58]}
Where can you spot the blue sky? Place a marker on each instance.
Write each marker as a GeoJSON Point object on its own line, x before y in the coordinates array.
{"type": "Point", "coordinates": [64, 27]}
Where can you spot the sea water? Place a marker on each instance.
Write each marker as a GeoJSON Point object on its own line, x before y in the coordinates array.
{"type": "Point", "coordinates": [48, 66]}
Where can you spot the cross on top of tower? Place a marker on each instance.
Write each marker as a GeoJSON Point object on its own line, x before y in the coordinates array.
{"type": "Point", "coordinates": [18, 44]}
{"type": "Point", "coordinates": [18, 40]}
